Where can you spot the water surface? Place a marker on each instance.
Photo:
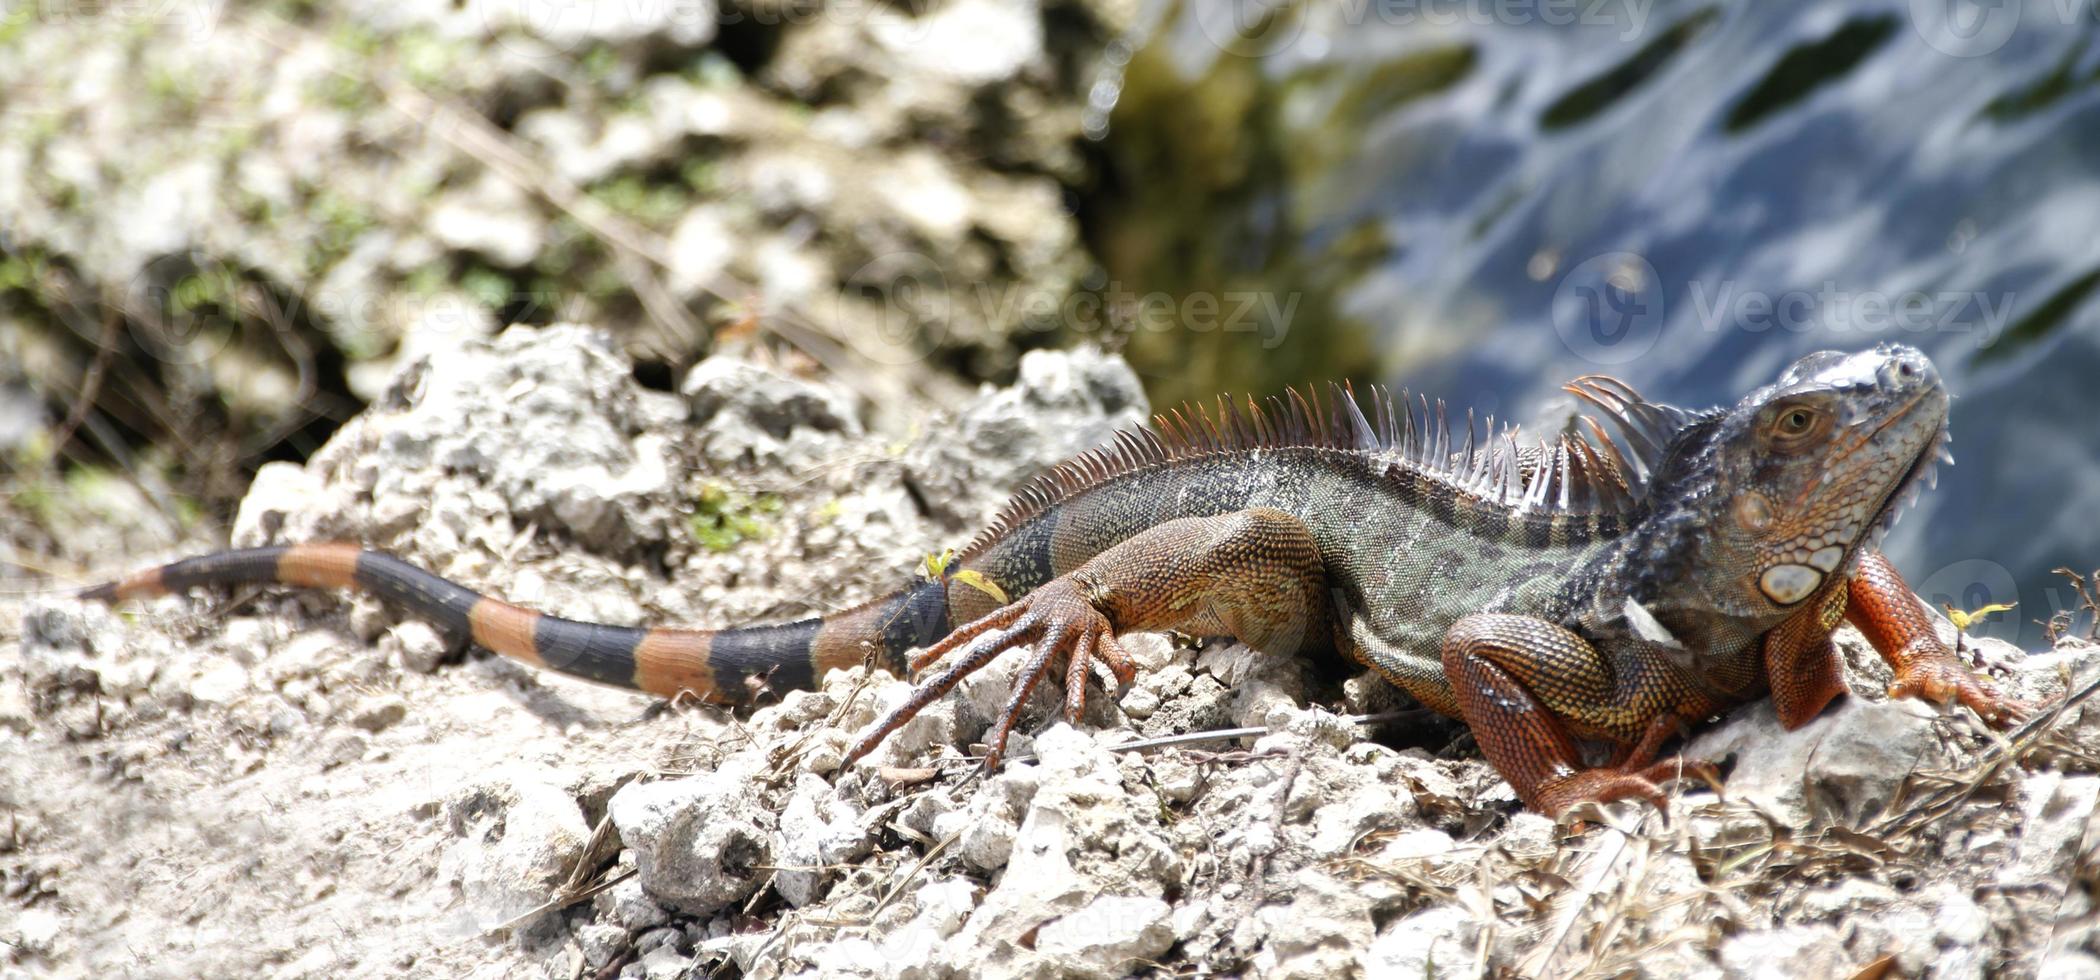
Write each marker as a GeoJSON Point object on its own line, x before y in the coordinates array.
{"type": "Point", "coordinates": [1484, 199]}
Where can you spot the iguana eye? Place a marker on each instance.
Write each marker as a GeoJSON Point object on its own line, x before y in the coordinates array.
{"type": "Point", "coordinates": [1796, 427]}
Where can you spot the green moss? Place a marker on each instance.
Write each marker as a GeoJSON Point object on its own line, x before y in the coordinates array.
{"type": "Point", "coordinates": [204, 291]}
{"type": "Point", "coordinates": [175, 91]}
{"type": "Point", "coordinates": [234, 140]}
{"type": "Point", "coordinates": [598, 63]}
{"type": "Point", "coordinates": [356, 39]}
{"type": "Point", "coordinates": [487, 287]}
{"type": "Point", "coordinates": [38, 500]}
{"type": "Point", "coordinates": [189, 511]}
{"type": "Point", "coordinates": [14, 22]}
{"type": "Point", "coordinates": [342, 221]}
{"type": "Point", "coordinates": [431, 62]}
{"type": "Point", "coordinates": [426, 280]}
{"type": "Point", "coordinates": [702, 175]}
{"type": "Point", "coordinates": [652, 203]}
{"type": "Point", "coordinates": [21, 271]}
{"type": "Point", "coordinates": [724, 518]}
{"type": "Point", "coordinates": [346, 92]}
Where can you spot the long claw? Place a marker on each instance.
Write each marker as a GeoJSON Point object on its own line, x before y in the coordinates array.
{"type": "Point", "coordinates": [1678, 767]}
{"type": "Point", "coordinates": [1056, 620]}
{"type": "Point", "coordinates": [1606, 785]}
{"type": "Point", "coordinates": [999, 619]}
{"type": "Point", "coordinates": [1600, 786]}
{"type": "Point", "coordinates": [1024, 685]}
{"type": "Point", "coordinates": [1110, 651]}
{"type": "Point", "coordinates": [1076, 669]}
{"type": "Point", "coordinates": [980, 651]}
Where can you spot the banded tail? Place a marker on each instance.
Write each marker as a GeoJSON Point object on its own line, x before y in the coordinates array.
{"type": "Point", "coordinates": [721, 666]}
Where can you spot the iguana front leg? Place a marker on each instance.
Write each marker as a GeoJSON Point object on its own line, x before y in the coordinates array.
{"type": "Point", "coordinates": [1254, 575]}
{"type": "Point", "coordinates": [1526, 687]}
{"type": "Point", "coordinates": [1884, 608]}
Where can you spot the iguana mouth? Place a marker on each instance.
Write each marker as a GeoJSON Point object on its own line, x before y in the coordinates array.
{"type": "Point", "coordinates": [1923, 470]}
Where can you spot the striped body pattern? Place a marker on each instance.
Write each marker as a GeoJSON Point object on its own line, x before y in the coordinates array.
{"type": "Point", "coordinates": [1592, 586]}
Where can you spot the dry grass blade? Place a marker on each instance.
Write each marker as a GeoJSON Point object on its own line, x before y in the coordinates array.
{"type": "Point", "coordinates": [1935, 803]}
{"type": "Point", "coordinates": [579, 886]}
{"type": "Point", "coordinates": [1569, 905]}
{"type": "Point", "coordinates": [910, 874]}
{"type": "Point", "coordinates": [1224, 734]}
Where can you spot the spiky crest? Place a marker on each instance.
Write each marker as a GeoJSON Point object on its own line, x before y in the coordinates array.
{"type": "Point", "coordinates": [1582, 471]}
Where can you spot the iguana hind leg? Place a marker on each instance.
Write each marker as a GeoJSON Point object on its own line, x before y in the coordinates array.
{"type": "Point", "coordinates": [1526, 687]}
{"type": "Point", "coordinates": [1255, 575]}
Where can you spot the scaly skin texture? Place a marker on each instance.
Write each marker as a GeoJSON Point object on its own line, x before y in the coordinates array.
{"type": "Point", "coordinates": [1590, 589]}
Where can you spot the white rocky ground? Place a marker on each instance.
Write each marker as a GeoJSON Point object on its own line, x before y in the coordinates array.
{"type": "Point", "coordinates": [263, 188]}
{"type": "Point", "coordinates": [302, 785]}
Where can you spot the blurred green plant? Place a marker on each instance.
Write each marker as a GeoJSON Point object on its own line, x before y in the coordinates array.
{"type": "Point", "coordinates": [724, 518]}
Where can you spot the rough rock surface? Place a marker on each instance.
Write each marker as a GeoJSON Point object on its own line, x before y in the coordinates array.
{"type": "Point", "coordinates": [304, 785]}
{"type": "Point", "coordinates": [266, 189]}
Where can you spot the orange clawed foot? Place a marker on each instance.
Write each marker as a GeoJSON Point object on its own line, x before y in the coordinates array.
{"type": "Point", "coordinates": [1557, 796]}
{"type": "Point", "coordinates": [1943, 679]}
{"type": "Point", "coordinates": [1057, 621]}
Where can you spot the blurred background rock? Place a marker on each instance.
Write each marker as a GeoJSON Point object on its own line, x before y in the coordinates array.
{"type": "Point", "coordinates": [222, 225]}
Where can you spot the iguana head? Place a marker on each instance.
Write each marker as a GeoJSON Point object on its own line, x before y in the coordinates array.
{"type": "Point", "coordinates": [1753, 508]}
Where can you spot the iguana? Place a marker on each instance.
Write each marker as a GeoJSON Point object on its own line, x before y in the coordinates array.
{"type": "Point", "coordinates": [1589, 591]}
